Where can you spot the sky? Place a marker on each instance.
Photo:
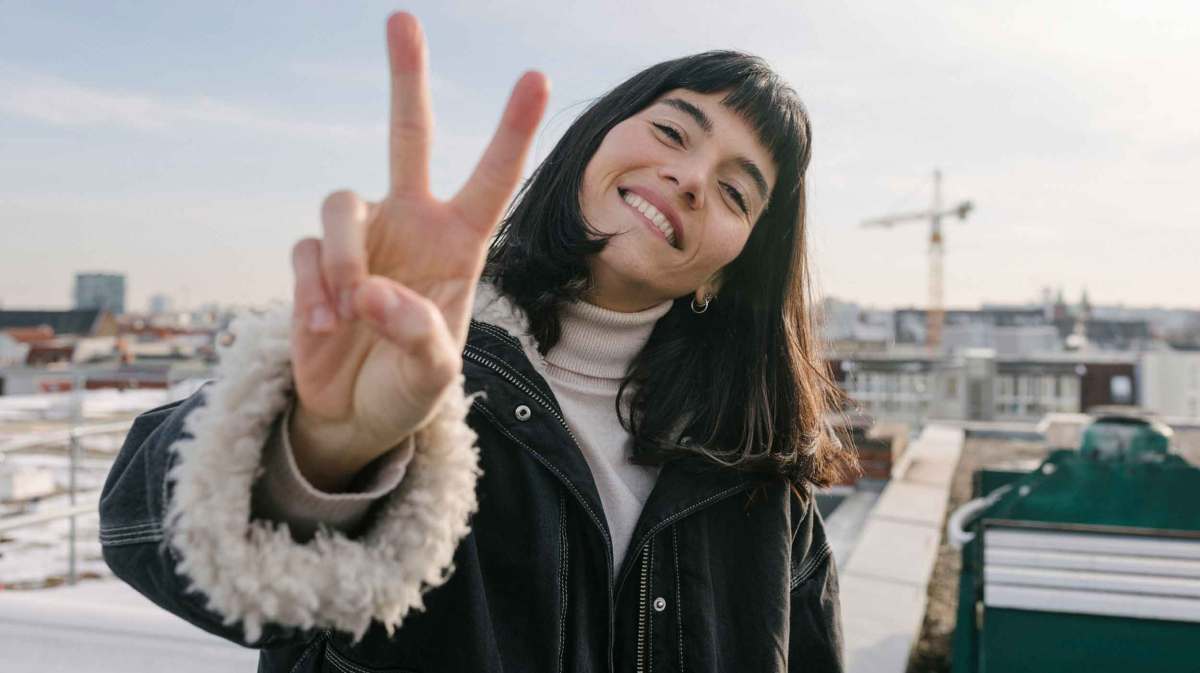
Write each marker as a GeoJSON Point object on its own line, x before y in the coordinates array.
{"type": "Point", "coordinates": [189, 145]}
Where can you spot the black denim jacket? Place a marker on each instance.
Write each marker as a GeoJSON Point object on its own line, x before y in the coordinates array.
{"type": "Point", "coordinates": [725, 572]}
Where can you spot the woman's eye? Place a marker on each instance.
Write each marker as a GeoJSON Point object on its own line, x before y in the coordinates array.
{"type": "Point", "coordinates": [736, 196]}
{"type": "Point", "coordinates": [671, 133]}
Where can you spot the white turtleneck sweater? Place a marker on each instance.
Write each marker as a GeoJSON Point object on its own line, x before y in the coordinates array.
{"type": "Point", "coordinates": [584, 371]}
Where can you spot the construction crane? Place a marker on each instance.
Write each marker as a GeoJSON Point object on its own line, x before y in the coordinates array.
{"type": "Point", "coordinates": [937, 250]}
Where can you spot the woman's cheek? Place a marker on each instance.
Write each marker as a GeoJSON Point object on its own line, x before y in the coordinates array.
{"type": "Point", "coordinates": [732, 242]}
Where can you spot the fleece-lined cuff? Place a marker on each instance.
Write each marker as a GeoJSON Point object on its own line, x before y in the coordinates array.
{"type": "Point", "coordinates": [254, 571]}
{"type": "Point", "coordinates": [283, 495]}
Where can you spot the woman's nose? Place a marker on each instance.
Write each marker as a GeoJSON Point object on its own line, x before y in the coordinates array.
{"type": "Point", "coordinates": [688, 185]}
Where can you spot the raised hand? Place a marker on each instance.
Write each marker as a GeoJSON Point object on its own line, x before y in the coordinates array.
{"type": "Point", "coordinates": [383, 300]}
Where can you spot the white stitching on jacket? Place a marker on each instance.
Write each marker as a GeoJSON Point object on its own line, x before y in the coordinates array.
{"type": "Point", "coordinates": [678, 592]}
{"type": "Point", "coordinates": [563, 585]}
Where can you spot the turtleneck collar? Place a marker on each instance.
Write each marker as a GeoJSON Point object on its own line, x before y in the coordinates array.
{"type": "Point", "coordinates": [595, 342]}
{"type": "Point", "coordinates": [600, 342]}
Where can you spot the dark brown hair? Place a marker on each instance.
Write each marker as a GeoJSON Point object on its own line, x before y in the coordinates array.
{"type": "Point", "coordinates": [743, 384]}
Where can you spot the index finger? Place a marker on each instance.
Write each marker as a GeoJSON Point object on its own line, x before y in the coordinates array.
{"type": "Point", "coordinates": [411, 124]}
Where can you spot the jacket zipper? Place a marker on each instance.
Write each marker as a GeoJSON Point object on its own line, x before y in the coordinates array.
{"type": "Point", "coordinates": [643, 615]}
{"type": "Point", "coordinates": [541, 400]}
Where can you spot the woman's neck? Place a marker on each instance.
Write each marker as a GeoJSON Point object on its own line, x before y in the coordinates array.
{"type": "Point", "coordinates": [610, 292]}
{"type": "Point", "coordinates": [600, 342]}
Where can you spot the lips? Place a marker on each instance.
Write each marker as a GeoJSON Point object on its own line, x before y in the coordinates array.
{"type": "Point", "coordinates": [655, 212]}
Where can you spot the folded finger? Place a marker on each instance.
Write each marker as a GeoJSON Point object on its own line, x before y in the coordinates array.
{"type": "Point", "coordinates": [311, 304]}
{"type": "Point", "coordinates": [343, 252]}
{"type": "Point", "coordinates": [415, 325]}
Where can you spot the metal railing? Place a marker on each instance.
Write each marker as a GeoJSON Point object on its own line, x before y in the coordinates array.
{"type": "Point", "coordinates": [72, 438]}
{"type": "Point", "coordinates": [60, 437]}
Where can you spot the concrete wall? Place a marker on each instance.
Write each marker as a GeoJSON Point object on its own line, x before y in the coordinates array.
{"type": "Point", "coordinates": [1170, 383]}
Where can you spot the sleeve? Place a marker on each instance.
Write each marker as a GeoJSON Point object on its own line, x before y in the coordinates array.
{"type": "Point", "coordinates": [176, 524]}
{"type": "Point", "coordinates": [815, 638]}
{"type": "Point", "coordinates": [283, 495]}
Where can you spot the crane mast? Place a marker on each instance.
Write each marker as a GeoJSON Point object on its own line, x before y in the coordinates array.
{"type": "Point", "coordinates": [936, 312]}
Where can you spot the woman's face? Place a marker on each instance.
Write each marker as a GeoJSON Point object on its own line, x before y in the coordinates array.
{"type": "Point", "coordinates": [681, 184]}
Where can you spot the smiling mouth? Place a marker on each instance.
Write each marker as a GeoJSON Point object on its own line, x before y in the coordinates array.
{"type": "Point", "coordinates": [650, 214]}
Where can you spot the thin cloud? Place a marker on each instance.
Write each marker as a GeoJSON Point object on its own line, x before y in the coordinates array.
{"type": "Point", "coordinates": [374, 77]}
{"type": "Point", "coordinates": [63, 103]}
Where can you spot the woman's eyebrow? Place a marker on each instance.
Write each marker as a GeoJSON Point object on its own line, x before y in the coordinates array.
{"type": "Point", "coordinates": [694, 112]}
{"type": "Point", "coordinates": [756, 175]}
{"type": "Point", "coordinates": [705, 123]}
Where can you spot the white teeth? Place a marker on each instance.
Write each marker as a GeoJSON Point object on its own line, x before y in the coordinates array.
{"type": "Point", "coordinates": [651, 213]}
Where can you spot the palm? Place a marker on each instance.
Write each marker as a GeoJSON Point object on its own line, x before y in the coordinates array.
{"type": "Point", "coordinates": [431, 249]}
{"type": "Point", "coordinates": [431, 253]}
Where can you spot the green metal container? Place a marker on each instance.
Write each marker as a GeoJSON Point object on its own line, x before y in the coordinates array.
{"type": "Point", "coordinates": [1089, 563]}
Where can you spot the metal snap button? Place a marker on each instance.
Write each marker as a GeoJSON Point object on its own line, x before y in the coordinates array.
{"type": "Point", "coordinates": [660, 604]}
{"type": "Point", "coordinates": [522, 413]}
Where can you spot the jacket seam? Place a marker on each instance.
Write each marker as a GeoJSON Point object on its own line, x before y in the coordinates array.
{"type": "Point", "coordinates": [807, 569]}
{"type": "Point", "coordinates": [810, 565]}
{"type": "Point", "coordinates": [342, 663]}
{"type": "Point", "coordinates": [497, 331]}
{"type": "Point", "coordinates": [113, 536]}
{"type": "Point", "coordinates": [123, 541]}
{"type": "Point", "coordinates": [678, 593]}
{"type": "Point", "coordinates": [165, 505]}
{"type": "Point", "coordinates": [312, 646]}
{"type": "Point", "coordinates": [339, 663]}
{"type": "Point", "coordinates": [346, 665]}
{"type": "Point", "coordinates": [507, 338]}
{"type": "Point", "coordinates": [686, 511]}
{"type": "Point", "coordinates": [104, 530]}
{"type": "Point", "coordinates": [563, 568]}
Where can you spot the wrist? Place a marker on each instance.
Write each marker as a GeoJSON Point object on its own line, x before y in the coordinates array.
{"type": "Point", "coordinates": [323, 452]}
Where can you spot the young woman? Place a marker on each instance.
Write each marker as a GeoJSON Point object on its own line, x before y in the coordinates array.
{"type": "Point", "coordinates": [599, 458]}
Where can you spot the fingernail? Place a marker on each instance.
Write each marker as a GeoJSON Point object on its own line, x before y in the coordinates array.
{"type": "Point", "coordinates": [346, 304]}
{"type": "Point", "coordinates": [320, 319]}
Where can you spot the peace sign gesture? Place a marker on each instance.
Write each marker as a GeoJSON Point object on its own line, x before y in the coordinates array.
{"type": "Point", "coordinates": [383, 300]}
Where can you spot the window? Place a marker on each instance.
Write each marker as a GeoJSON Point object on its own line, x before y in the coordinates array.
{"type": "Point", "coordinates": [1047, 392]}
{"type": "Point", "coordinates": [1068, 398]}
{"type": "Point", "coordinates": [1121, 389]}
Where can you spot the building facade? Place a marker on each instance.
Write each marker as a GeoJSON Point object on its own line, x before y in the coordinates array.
{"type": "Point", "coordinates": [1170, 380]}
{"type": "Point", "coordinates": [977, 384]}
{"type": "Point", "coordinates": [100, 290]}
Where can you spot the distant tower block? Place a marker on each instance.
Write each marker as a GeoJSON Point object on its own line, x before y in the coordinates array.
{"type": "Point", "coordinates": [100, 290]}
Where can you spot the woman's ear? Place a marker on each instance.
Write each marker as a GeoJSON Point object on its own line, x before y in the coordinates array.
{"type": "Point", "coordinates": [709, 288]}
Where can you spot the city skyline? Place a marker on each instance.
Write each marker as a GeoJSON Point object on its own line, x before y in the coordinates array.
{"type": "Point", "coordinates": [190, 148]}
